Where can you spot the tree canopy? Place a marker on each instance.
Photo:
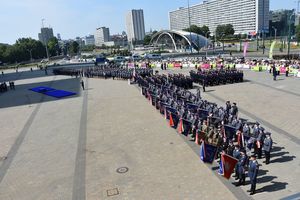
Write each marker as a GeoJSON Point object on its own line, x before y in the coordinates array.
{"type": "Point", "coordinates": [147, 38]}
{"type": "Point", "coordinates": [53, 47]}
{"type": "Point", "coordinates": [297, 33]}
{"type": "Point", "coordinates": [225, 30]}
{"type": "Point", "coordinates": [204, 30]}
{"type": "Point", "coordinates": [20, 51]}
{"type": "Point", "coordinates": [74, 47]}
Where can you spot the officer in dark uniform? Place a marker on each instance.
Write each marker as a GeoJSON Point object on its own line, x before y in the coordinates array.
{"type": "Point", "coordinates": [252, 173]}
{"type": "Point", "coordinates": [82, 84]}
{"type": "Point", "coordinates": [242, 168]}
{"type": "Point", "coordinates": [236, 155]}
{"type": "Point", "coordinates": [267, 146]}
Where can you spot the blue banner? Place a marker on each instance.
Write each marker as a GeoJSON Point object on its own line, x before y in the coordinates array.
{"type": "Point", "coordinates": [221, 167]}
{"type": "Point", "coordinates": [208, 152]}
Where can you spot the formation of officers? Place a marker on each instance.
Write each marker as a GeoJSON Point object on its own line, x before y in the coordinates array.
{"type": "Point", "coordinates": [181, 81]}
{"type": "Point", "coordinates": [104, 71]}
{"type": "Point", "coordinates": [4, 87]}
{"type": "Point", "coordinates": [205, 121]}
{"type": "Point", "coordinates": [201, 120]}
{"type": "Point", "coordinates": [217, 77]}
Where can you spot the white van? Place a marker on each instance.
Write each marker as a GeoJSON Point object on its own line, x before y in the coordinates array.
{"type": "Point", "coordinates": [136, 57]}
{"type": "Point", "coordinates": [119, 59]}
{"type": "Point", "coordinates": [153, 56]}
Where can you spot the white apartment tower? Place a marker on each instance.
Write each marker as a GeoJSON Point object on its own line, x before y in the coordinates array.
{"type": "Point", "coordinates": [135, 25]}
{"type": "Point", "coordinates": [101, 36]}
{"type": "Point", "coordinates": [246, 16]}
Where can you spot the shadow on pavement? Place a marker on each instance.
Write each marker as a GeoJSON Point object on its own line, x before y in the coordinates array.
{"type": "Point", "coordinates": [283, 159]}
{"type": "Point", "coordinates": [277, 148]}
{"type": "Point", "coordinates": [13, 76]}
{"type": "Point", "coordinates": [23, 96]}
{"type": "Point", "coordinates": [275, 186]}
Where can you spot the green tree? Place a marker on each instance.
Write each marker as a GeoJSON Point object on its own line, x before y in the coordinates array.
{"type": "Point", "coordinates": [22, 50]}
{"type": "Point", "coordinates": [205, 31]}
{"type": "Point", "coordinates": [88, 48]}
{"type": "Point", "coordinates": [53, 47]}
{"type": "Point", "coordinates": [224, 30]}
{"type": "Point", "coordinates": [298, 33]}
{"type": "Point", "coordinates": [147, 39]}
{"type": "Point", "coordinates": [74, 47]}
{"type": "Point", "coordinates": [194, 29]}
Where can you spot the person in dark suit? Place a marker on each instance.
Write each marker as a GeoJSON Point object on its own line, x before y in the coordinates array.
{"type": "Point", "coordinates": [236, 154]}
{"type": "Point", "coordinates": [267, 146]}
{"type": "Point", "coordinates": [242, 168]}
{"type": "Point", "coordinates": [252, 173]}
{"type": "Point", "coordinates": [82, 84]}
{"type": "Point", "coordinates": [274, 72]}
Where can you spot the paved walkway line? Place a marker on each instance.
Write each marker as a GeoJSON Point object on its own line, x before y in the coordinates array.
{"type": "Point", "coordinates": [79, 191]}
{"type": "Point", "coordinates": [236, 191]}
{"type": "Point", "coordinates": [274, 88]}
{"type": "Point", "coordinates": [291, 137]}
{"type": "Point", "coordinates": [18, 142]}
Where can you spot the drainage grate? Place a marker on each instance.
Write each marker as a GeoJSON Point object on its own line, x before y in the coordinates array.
{"type": "Point", "coordinates": [112, 192]}
{"type": "Point", "coordinates": [3, 158]}
{"type": "Point", "coordinates": [122, 170]}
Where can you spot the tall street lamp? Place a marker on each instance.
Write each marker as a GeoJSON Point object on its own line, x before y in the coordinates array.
{"type": "Point", "coordinates": [206, 35]}
{"type": "Point", "coordinates": [222, 39]}
{"type": "Point", "coordinates": [30, 50]}
{"type": "Point", "coordinates": [189, 15]}
{"type": "Point", "coordinates": [263, 29]}
{"type": "Point", "coordinates": [289, 37]}
{"type": "Point", "coordinates": [275, 29]}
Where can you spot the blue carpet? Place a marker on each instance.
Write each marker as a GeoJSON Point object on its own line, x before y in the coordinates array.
{"type": "Point", "coordinates": [41, 89]}
{"type": "Point", "coordinates": [59, 93]}
{"type": "Point", "coordinates": [52, 92]}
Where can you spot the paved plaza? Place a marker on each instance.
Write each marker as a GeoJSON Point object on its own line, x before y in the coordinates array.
{"type": "Point", "coordinates": [108, 142]}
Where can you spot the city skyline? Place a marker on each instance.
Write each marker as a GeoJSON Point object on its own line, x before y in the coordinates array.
{"type": "Point", "coordinates": [83, 17]}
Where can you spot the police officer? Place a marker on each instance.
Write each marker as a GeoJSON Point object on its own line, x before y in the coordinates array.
{"type": "Point", "coordinates": [82, 84]}
{"type": "Point", "coordinates": [242, 168]}
{"type": "Point", "coordinates": [236, 155]}
{"type": "Point", "coordinates": [267, 146]}
{"type": "Point", "coordinates": [252, 173]}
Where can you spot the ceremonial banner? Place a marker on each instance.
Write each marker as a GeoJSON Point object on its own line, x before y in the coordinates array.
{"type": "Point", "coordinates": [227, 165]}
{"type": "Point", "coordinates": [221, 167]}
{"type": "Point", "coordinates": [205, 66]}
{"type": "Point", "coordinates": [180, 126]}
{"type": "Point", "coordinates": [208, 152]}
{"type": "Point", "coordinates": [230, 131]}
{"type": "Point", "coordinates": [271, 49]}
{"type": "Point", "coordinates": [246, 44]}
{"type": "Point", "coordinates": [171, 120]}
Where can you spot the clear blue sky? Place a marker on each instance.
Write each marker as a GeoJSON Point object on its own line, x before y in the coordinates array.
{"type": "Point", "coordinates": [22, 18]}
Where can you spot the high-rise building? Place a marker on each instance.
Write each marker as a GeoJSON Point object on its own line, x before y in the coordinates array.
{"type": "Point", "coordinates": [45, 35]}
{"type": "Point", "coordinates": [101, 36]}
{"type": "Point", "coordinates": [246, 16]}
{"type": "Point", "coordinates": [89, 40]}
{"type": "Point", "coordinates": [135, 25]}
{"type": "Point", "coordinates": [80, 41]}
{"type": "Point", "coordinates": [58, 36]}
{"type": "Point", "coordinates": [280, 21]}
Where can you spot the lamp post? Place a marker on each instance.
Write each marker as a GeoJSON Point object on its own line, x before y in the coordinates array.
{"type": "Point", "coordinates": [206, 35]}
{"type": "Point", "coordinates": [289, 37]}
{"type": "Point", "coordinates": [189, 15]}
{"type": "Point", "coordinates": [222, 39]}
{"type": "Point", "coordinates": [263, 28]}
{"type": "Point", "coordinates": [30, 50]}
{"type": "Point", "coordinates": [275, 29]}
